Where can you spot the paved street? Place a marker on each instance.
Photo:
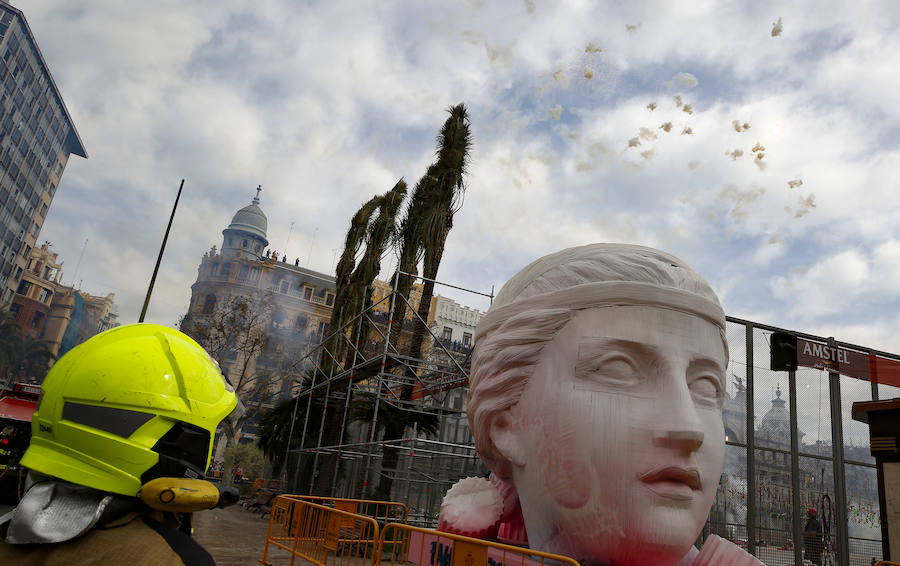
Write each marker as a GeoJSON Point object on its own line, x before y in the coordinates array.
{"type": "Point", "coordinates": [234, 537]}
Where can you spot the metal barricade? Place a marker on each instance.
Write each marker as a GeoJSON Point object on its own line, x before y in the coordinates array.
{"type": "Point", "coordinates": [321, 535]}
{"type": "Point", "coordinates": [427, 547]}
{"type": "Point", "coordinates": [382, 511]}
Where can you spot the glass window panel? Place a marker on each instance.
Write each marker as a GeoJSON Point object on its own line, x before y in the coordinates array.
{"type": "Point", "coordinates": [863, 518]}
{"type": "Point", "coordinates": [817, 491]}
{"type": "Point", "coordinates": [770, 403]}
{"type": "Point", "coordinates": [888, 392]}
{"type": "Point", "coordinates": [856, 434]}
{"type": "Point", "coordinates": [735, 408]}
{"type": "Point", "coordinates": [814, 412]}
{"type": "Point", "coordinates": [728, 515]}
{"type": "Point", "coordinates": [774, 509]}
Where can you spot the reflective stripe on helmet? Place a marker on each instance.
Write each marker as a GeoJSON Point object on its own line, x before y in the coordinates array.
{"type": "Point", "coordinates": [121, 422]}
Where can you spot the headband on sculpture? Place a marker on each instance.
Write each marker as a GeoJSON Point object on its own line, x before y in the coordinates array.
{"type": "Point", "coordinates": [599, 275]}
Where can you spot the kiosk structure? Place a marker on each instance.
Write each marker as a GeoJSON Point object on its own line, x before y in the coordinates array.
{"type": "Point", "coordinates": [883, 418]}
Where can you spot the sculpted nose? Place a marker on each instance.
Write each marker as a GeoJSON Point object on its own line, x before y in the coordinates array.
{"type": "Point", "coordinates": [683, 440]}
{"type": "Point", "coordinates": [679, 425]}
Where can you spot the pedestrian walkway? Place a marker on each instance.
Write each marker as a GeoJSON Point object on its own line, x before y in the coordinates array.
{"type": "Point", "coordinates": [234, 537]}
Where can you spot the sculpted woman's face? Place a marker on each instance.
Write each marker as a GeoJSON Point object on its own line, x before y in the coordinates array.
{"type": "Point", "coordinates": [617, 442]}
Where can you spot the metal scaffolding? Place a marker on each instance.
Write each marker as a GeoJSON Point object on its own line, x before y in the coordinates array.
{"type": "Point", "coordinates": [377, 367]}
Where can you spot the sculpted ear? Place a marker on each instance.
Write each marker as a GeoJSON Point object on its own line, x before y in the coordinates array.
{"type": "Point", "coordinates": [505, 437]}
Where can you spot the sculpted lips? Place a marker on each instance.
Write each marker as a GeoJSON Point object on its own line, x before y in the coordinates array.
{"type": "Point", "coordinates": [673, 482]}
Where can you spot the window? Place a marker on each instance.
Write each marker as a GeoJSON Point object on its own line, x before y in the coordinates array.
{"type": "Point", "coordinates": [245, 270]}
{"type": "Point", "coordinates": [37, 320]}
{"type": "Point", "coordinates": [24, 286]}
{"type": "Point", "coordinates": [284, 286]}
{"type": "Point", "coordinates": [307, 293]}
{"type": "Point", "coordinates": [258, 248]}
{"type": "Point", "coordinates": [254, 274]}
{"type": "Point", "coordinates": [244, 243]}
{"type": "Point", "coordinates": [329, 300]}
{"type": "Point", "coordinates": [226, 269]}
{"type": "Point", "coordinates": [323, 329]}
{"type": "Point", "coordinates": [209, 305]}
{"type": "Point", "coordinates": [51, 189]}
{"type": "Point", "coordinates": [467, 339]}
{"type": "Point", "coordinates": [35, 229]}
{"type": "Point", "coordinates": [448, 333]}
{"type": "Point", "coordinates": [43, 209]}
{"type": "Point", "coordinates": [302, 323]}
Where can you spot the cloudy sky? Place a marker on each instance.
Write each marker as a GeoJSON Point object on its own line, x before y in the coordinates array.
{"type": "Point", "coordinates": [760, 144]}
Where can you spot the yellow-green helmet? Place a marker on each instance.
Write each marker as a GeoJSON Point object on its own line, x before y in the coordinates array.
{"type": "Point", "coordinates": [131, 404]}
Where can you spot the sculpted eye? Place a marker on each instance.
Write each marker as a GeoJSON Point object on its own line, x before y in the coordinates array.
{"type": "Point", "coordinates": [615, 369]}
{"type": "Point", "coordinates": [707, 390]}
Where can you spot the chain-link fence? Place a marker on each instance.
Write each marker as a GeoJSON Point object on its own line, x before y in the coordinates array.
{"type": "Point", "coordinates": [783, 504]}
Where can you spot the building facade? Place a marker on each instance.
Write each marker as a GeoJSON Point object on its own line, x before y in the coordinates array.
{"type": "Point", "coordinates": [61, 315]}
{"type": "Point", "coordinates": [454, 324]}
{"type": "Point", "coordinates": [37, 136]}
{"type": "Point", "coordinates": [36, 291]}
{"type": "Point", "coordinates": [292, 306]}
{"type": "Point", "coordinates": [301, 299]}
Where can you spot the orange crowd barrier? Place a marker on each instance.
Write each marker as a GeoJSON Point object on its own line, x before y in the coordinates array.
{"type": "Point", "coordinates": [382, 511]}
{"type": "Point", "coordinates": [886, 563]}
{"type": "Point", "coordinates": [347, 532]}
{"type": "Point", "coordinates": [321, 535]}
{"type": "Point", "coordinates": [427, 547]}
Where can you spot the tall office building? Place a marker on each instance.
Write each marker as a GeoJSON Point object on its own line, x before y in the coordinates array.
{"type": "Point", "coordinates": [37, 136]}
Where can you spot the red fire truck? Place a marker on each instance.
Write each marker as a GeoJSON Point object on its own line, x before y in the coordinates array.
{"type": "Point", "coordinates": [16, 408]}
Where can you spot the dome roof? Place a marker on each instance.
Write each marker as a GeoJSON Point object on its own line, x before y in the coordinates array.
{"type": "Point", "coordinates": [776, 421]}
{"type": "Point", "coordinates": [250, 219]}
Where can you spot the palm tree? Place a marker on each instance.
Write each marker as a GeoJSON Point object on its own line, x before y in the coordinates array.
{"type": "Point", "coordinates": [344, 292]}
{"type": "Point", "coordinates": [21, 356]}
{"type": "Point", "coordinates": [429, 218]}
{"type": "Point", "coordinates": [10, 336]}
{"type": "Point", "coordinates": [445, 198]}
{"type": "Point", "coordinates": [381, 231]}
{"type": "Point", "coordinates": [391, 417]}
{"type": "Point", "coordinates": [34, 358]}
{"type": "Point", "coordinates": [275, 430]}
{"type": "Point", "coordinates": [354, 284]}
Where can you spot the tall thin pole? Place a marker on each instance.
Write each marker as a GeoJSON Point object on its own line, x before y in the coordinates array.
{"type": "Point", "coordinates": [162, 248]}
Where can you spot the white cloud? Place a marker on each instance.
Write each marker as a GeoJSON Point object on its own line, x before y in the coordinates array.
{"type": "Point", "coordinates": [328, 104]}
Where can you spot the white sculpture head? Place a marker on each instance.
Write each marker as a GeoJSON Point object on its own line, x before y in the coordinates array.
{"type": "Point", "coordinates": [596, 389]}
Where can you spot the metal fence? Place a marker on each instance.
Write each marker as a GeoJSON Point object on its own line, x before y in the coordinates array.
{"type": "Point", "coordinates": [805, 452]}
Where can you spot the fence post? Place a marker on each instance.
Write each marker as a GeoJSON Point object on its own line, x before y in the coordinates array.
{"type": "Point", "coordinates": [837, 445]}
{"type": "Point", "coordinates": [751, 445]}
{"type": "Point", "coordinates": [796, 510]}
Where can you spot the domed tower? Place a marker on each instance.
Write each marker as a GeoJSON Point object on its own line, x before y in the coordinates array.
{"type": "Point", "coordinates": [776, 423]}
{"type": "Point", "coordinates": [246, 235]}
